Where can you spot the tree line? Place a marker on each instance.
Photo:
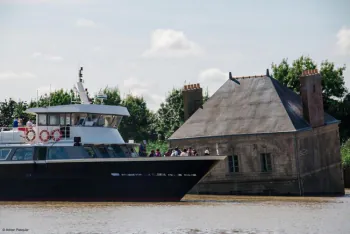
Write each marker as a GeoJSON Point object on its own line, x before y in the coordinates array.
{"type": "Point", "coordinates": [144, 124]}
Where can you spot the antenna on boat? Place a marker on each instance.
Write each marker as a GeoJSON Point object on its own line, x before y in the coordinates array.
{"type": "Point", "coordinates": [81, 74]}
{"type": "Point", "coordinates": [37, 98]}
{"type": "Point", "coordinates": [81, 91]}
{"type": "Point", "coordinates": [50, 95]}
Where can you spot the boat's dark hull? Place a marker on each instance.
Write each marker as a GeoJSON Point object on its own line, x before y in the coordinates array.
{"type": "Point", "coordinates": [153, 180]}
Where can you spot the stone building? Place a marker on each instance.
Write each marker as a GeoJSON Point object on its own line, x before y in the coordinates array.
{"type": "Point", "coordinates": [276, 141]}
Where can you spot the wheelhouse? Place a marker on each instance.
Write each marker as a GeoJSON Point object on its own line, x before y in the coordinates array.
{"type": "Point", "coordinates": [94, 124]}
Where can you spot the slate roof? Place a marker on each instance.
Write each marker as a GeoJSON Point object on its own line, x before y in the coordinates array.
{"type": "Point", "coordinates": [258, 105]}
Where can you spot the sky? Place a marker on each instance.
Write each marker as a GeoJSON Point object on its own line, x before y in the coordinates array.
{"type": "Point", "coordinates": [149, 47]}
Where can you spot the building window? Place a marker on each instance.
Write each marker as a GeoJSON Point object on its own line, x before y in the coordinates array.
{"type": "Point", "coordinates": [266, 164]}
{"type": "Point", "coordinates": [233, 163]}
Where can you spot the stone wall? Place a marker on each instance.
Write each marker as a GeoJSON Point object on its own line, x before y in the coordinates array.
{"type": "Point", "coordinates": [320, 161]}
{"type": "Point", "coordinates": [250, 179]}
{"type": "Point", "coordinates": [306, 162]}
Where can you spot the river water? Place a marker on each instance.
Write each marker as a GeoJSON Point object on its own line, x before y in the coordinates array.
{"type": "Point", "coordinates": [195, 215]}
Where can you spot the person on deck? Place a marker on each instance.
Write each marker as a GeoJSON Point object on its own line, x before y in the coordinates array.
{"type": "Point", "coordinates": [152, 154]}
{"type": "Point", "coordinates": [158, 154]}
{"type": "Point", "coordinates": [184, 153]}
{"type": "Point", "coordinates": [142, 150]}
{"type": "Point", "coordinates": [174, 153]}
{"type": "Point", "coordinates": [168, 153]}
{"type": "Point", "coordinates": [189, 151]}
{"type": "Point", "coordinates": [194, 152]}
{"type": "Point", "coordinates": [29, 124]}
{"type": "Point", "coordinates": [178, 150]}
{"type": "Point", "coordinates": [15, 123]}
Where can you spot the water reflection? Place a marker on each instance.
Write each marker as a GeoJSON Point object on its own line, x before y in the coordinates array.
{"type": "Point", "coordinates": [195, 214]}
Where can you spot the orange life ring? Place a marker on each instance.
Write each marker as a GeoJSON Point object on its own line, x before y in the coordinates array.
{"type": "Point", "coordinates": [53, 135]}
{"type": "Point", "coordinates": [46, 138]}
{"type": "Point", "coordinates": [27, 135]}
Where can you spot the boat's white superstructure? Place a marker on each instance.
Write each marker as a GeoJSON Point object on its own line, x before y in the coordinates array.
{"type": "Point", "coordinates": [94, 124]}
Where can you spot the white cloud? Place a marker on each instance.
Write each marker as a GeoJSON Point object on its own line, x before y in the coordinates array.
{"type": "Point", "coordinates": [55, 58]}
{"type": "Point", "coordinates": [343, 41]}
{"type": "Point", "coordinates": [171, 43]}
{"type": "Point", "coordinates": [213, 78]}
{"type": "Point", "coordinates": [97, 49]}
{"type": "Point", "coordinates": [147, 91]}
{"type": "Point", "coordinates": [38, 55]}
{"type": "Point", "coordinates": [85, 23]}
{"type": "Point", "coordinates": [10, 75]}
{"type": "Point", "coordinates": [24, 1]}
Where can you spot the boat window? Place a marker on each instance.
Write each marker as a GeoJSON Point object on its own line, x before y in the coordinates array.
{"type": "Point", "coordinates": [23, 154]}
{"type": "Point", "coordinates": [117, 121]}
{"type": "Point", "coordinates": [90, 151]}
{"type": "Point", "coordinates": [53, 120]}
{"type": "Point", "coordinates": [103, 151]}
{"type": "Point", "coordinates": [80, 119]}
{"type": "Point", "coordinates": [119, 151]}
{"type": "Point", "coordinates": [74, 119]}
{"type": "Point", "coordinates": [4, 153]}
{"type": "Point", "coordinates": [111, 121]}
{"type": "Point", "coordinates": [62, 119]}
{"type": "Point", "coordinates": [107, 120]}
{"type": "Point", "coordinates": [133, 150]}
{"type": "Point", "coordinates": [68, 119]}
{"type": "Point", "coordinates": [101, 121]}
{"type": "Point", "coordinates": [42, 120]}
{"type": "Point", "coordinates": [66, 152]}
{"type": "Point", "coordinates": [91, 120]}
{"type": "Point", "coordinates": [111, 151]}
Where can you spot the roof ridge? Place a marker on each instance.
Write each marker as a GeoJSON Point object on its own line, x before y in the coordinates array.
{"type": "Point", "coordinates": [244, 77]}
{"type": "Point", "coordinates": [283, 88]}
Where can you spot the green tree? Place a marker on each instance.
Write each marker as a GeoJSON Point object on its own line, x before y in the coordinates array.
{"type": "Point", "coordinates": [136, 126]}
{"type": "Point", "coordinates": [345, 153]}
{"type": "Point", "coordinates": [7, 111]}
{"type": "Point", "coordinates": [170, 115]}
{"type": "Point", "coordinates": [206, 96]}
{"type": "Point", "coordinates": [333, 83]}
{"type": "Point", "coordinates": [113, 97]}
{"type": "Point", "coordinates": [58, 97]}
{"type": "Point", "coordinates": [333, 86]}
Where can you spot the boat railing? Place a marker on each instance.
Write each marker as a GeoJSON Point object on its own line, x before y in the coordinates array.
{"type": "Point", "coordinates": [35, 134]}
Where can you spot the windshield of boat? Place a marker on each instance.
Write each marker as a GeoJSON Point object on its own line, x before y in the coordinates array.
{"type": "Point", "coordinates": [97, 120]}
{"type": "Point", "coordinates": [79, 119]}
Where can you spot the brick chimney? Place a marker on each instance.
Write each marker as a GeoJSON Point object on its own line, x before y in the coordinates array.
{"type": "Point", "coordinates": [193, 99]}
{"type": "Point", "coordinates": [311, 95]}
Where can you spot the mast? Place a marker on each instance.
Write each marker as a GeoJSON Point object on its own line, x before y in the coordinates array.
{"type": "Point", "coordinates": [82, 92]}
